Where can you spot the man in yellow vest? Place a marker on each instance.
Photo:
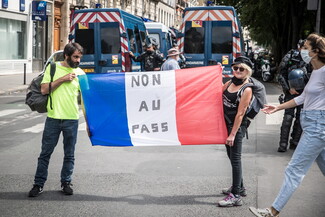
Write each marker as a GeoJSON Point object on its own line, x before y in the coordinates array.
{"type": "Point", "coordinates": [62, 116]}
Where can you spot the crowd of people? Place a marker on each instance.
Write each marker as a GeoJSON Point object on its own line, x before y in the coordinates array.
{"type": "Point", "coordinates": [304, 100]}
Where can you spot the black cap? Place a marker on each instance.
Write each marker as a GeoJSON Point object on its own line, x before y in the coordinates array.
{"type": "Point", "coordinates": [243, 59]}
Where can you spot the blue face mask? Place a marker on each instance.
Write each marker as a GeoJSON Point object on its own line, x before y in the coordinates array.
{"type": "Point", "coordinates": [304, 53]}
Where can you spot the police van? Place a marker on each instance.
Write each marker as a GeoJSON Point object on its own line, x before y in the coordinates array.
{"type": "Point", "coordinates": [162, 35]}
{"type": "Point", "coordinates": [107, 35]}
{"type": "Point", "coordinates": [210, 35]}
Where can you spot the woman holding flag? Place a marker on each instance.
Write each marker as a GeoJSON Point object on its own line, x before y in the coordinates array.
{"type": "Point", "coordinates": [234, 111]}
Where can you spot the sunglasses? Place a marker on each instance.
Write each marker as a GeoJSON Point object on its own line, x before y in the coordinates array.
{"type": "Point", "coordinates": [235, 68]}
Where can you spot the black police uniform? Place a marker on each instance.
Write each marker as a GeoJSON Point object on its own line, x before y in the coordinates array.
{"type": "Point", "coordinates": [150, 60]}
{"type": "Point", "coordinates": [292, 60]}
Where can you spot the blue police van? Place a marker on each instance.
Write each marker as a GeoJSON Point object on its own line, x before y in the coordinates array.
{"type": "Point", "coordinates": [211, 35]}
{"type": "Point", "coordinates": [107, 35]}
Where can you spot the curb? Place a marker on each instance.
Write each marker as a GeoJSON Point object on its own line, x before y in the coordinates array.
{"type": "Point", "coordinates": [14, 90]}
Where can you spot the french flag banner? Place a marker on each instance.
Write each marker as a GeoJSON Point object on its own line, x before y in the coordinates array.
{"type": "Point", "coordinates": [160, 108]}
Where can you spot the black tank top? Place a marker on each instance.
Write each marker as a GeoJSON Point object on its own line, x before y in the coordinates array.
{"type": "Point", "coordinates": [230, 105]}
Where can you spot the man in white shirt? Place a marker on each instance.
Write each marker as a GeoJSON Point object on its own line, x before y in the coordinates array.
{"type": "Point", "coordinates": [172, 62]}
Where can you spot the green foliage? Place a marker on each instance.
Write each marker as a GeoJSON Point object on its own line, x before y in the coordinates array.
{"type": "Point", "coordinates": [273, 23]}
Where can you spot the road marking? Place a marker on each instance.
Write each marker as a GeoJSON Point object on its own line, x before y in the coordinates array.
{"type": "Point", "coordinates": [275, 118]}
{"type": "Point", "coordinates": [40, 127]}
{"type": "Point", "coordinates": [82, 127]}
{"type": "Point", "coordinates": [34, 129]}
{"type": "Point", "coordinates": [10, 111]}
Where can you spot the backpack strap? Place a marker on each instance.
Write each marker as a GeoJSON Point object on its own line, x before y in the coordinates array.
{"type": "Point", "coordinates": [52, 72]}
{"type": "Point", "coordinates": [239, 94]}
{"type": "Point", "coordinates": [241, 91]}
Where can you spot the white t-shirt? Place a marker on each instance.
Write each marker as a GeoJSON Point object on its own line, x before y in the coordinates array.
{"type": "Point", "coordinates": [170, 64]}
{"type": "Point", "coordinates": [313, 96]}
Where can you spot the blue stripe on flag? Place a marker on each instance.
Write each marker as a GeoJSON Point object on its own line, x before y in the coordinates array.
{"type": "Point", "coordinates": [105, 106]}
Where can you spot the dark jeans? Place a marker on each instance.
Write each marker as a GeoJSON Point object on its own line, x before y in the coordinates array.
{"type": "Point", "coordinates": [234, 155]}
{"type": "Point", "coordinates": [51, 134]}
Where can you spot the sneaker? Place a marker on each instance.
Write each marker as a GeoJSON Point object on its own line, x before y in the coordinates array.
{"type": "Point", "coordinates": [227, 191]}
{"type": "Point", "coordinates": [231, 200]}
{"type": "Point", "coordinates": [66, 188]}
{"type": "Point", "coordinates": [36, 190]}
{"type": "Point", "coordinates": [262, 212]}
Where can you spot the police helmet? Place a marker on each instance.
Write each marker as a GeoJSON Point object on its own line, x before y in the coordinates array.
{"type": "Point", "coordinates": [153, 41]}
{"type": "Point", "coordinates": [301, 43]}
{"type": "Point", "coordinates": [296, 79]}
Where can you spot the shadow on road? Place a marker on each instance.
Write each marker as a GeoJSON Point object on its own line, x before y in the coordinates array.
{"type": "Point", "coordinates": [139, 199]}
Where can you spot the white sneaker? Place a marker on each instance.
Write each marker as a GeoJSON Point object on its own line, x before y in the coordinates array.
{"type": "Point", "coordinates": [262, 212]}
{"type": "Point", "coordinates": [231, 200]}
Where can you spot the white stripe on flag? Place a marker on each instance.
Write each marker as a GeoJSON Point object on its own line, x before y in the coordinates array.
{"type": "Point", "coordinates": [151, 104]}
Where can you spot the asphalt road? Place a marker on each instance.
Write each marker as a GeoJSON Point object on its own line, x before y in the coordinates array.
{"type": "Point", "coordinates": [145, 181]}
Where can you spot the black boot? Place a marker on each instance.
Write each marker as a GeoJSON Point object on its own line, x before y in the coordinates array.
{"type": "Point", "coordinates": [295, 135]}
{"type": "Point", "coordinates": [285, 131]}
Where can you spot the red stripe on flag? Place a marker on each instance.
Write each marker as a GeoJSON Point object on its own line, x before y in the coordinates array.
{"type": "Point", "coordinates": [199, 106]}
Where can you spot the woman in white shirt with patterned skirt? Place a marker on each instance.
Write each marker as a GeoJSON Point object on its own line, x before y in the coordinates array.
{"type": "Point", "coordinates": [311, 146]}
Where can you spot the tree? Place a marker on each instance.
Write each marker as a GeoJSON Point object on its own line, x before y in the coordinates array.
{"type": "Point", "coordinates": [274, 24]}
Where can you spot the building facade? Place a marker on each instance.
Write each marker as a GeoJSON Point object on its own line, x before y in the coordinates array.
{"type": "Point", "coordinates": [15, 37]}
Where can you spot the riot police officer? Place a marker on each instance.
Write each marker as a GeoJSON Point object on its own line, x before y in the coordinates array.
{"type": "Point", "coordinates": [156, 48]}
{"type": "Point", "coordinates": [150, 59]}
{"type": "Point", "coordinates": [290, 62]}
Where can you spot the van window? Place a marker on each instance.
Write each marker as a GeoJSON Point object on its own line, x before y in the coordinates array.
{"type": "Point", "coordinates": [85, 37]}
{"type": "Point", "coordinates": [143, 38]}
{"type": "Point", "coordinates": [138, 39]}
{"type": "Point", "coordinates": [194, 38]}
{"type": "Point", "coordinates": [156, 37]}
{"type": "Point", "coordinates": [110, 39]}
{"type": "Point", "coordinates": [169, 40]}
{"type": "Point", "coordinates": [221, 39]}
{"type": "Point", "coordinates": [131, 40]}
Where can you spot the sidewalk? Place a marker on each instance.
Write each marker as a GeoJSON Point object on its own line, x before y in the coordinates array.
{"type": "Point", "coordinates": [15, 82]}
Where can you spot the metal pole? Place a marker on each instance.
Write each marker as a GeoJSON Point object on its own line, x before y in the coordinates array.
{"type": "Point", "coordinates": [24, 73]}
{"type": "Point", "coordinates": [318, 17]}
